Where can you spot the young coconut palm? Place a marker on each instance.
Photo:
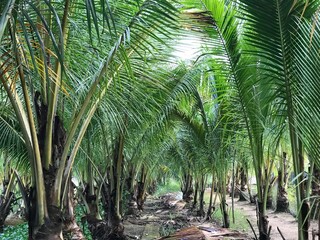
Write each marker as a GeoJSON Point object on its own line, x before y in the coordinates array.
{"type": "Point", "coordinates": [279, 33]}
{"type": "Point", "coordinates": [248, 96]}
{"type": "Point", "coordinates": [275, 38]}
{"type": "Point", "coordinates": [38, 61]}
{"type": "Point", "coordinates": [121, 141]}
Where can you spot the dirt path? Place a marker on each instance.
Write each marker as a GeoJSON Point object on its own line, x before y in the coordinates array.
{"type": "Point", "coordinates": [162, 217]}
{"type": "Point", "coordinates": [285, 221]}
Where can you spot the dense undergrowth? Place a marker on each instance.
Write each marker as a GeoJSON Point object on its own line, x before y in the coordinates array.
{"type": "Point", "coordinates": [20, 232]}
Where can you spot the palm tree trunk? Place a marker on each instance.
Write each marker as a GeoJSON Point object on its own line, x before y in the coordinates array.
{"type": "Point", "coordinates": [52, 227]}
{"type": "Point", "coordinates": [114, 223]}
{"type": "Point", "coordinates": [235, 193]}
{"type": "Point", "coordinates": [209, 211]}
{"type": "Point", "coordinates": [90, 191]}
{"type": "Point", "coordinates": [223, 204]}
{"type": "Point", "coordinates": [315, 191]}
{"type": "Point", "coordinates": [130, 181]}
{"type": "Point", "coordinates": [195, 197]}
{"type": "Point", "coordinates": [251, 197]}
{"type": "Point", "coordinates": [186, 188]}
{"type": "Point", "coordinates": [92, 202]}
{"type": "Point", "coordinates": [243, 184]}
{"type": "Point", "coordinates": [261, 202]}
{"type": "Point", "coordinates": [282, 199]}
{"type": "Point", "coordinates": [7, 197]}
{"type": "Point", "coordinates": [201, 195]}
{"type": "Point", "coordinates": [70, 227]}
{"type": "Point", "coordinates": [130, 188]}
{"type": "Point", "coordinates": [141, 189]}
{"type": "Point", "coordinates": [269, 198]}
{"type": "Point", "coordinates": [305, 206]}
{"type": "Point", "coordinates": [225, 214]}
{"type": "Point", "coordinates": [263, 222]}
{"type": "Point", "coordinates": [112, 228]}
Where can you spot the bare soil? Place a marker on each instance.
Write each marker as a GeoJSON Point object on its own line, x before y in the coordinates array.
{"type": "Point", "coordinates": [284, 221]}
{"type": "Point", "coordinates": [170, 219]}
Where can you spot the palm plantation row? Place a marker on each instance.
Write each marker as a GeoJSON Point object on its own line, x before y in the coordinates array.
{"type": "Point", "coordinates": [90, 91]}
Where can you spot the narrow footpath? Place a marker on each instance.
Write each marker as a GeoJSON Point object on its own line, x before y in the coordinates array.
{"type": "Point", "coordinates": [167, 218]}
{"type": "Point", "coordinates": [286, 223]}
{"type": "Point", "coordinates": [170, 219]}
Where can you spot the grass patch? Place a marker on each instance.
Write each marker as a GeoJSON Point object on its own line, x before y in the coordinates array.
{"type": "Point", "coordinates": [240, 223]}
{"type": "Point", "coordinates": [170, 186]}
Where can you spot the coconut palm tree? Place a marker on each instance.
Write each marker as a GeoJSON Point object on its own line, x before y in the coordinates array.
{"type": "Point", "coordinates": [126, 143]}
{"type": "Point", "coordinates": [48, 50]}
{"type": "Point", "coordinates": [289, 24]}
{"type": "Point", "coordinates": [265, 37]}
{"type": "Point", "coordinates": [245, 94]}
{"type": "Point", "coordinates": [13, 158]}
{"type": "Point", "coordinates": [61, 61]}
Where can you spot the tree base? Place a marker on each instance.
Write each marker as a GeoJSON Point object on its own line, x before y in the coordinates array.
{"type": "Point", "coordinates": [100, 230]}
{"type": "Point", "coordinates": [52, 228]}
{"type": "Point", "coordinates": [71, 230]}
{"type": "Point", "coordinates": [282, 205]}
{"type": "Point", "coordinates": [242, 198]}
